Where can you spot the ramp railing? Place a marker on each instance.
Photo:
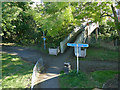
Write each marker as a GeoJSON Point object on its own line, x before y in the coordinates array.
{"type": "Point", "coordinates": [81, 38]}
{"type": "Point", "coordinates": [39, 66]}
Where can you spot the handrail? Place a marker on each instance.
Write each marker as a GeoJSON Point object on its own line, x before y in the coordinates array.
{"type": "Point", "coordinates": [81, 38]}
{"type": "Point", "coordinates": [71, 36]}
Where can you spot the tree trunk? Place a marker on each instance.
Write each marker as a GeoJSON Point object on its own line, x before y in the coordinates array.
{"type": "Point", "coordinates": [116, 19]}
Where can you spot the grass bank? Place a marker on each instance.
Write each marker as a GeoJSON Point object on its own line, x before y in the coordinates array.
{"type": "Point", "coordinates": [101, 54]}
{"type": "Point", "coordinates": [82, 80]}
{"type": "Point", "coordinates": [16, 73]}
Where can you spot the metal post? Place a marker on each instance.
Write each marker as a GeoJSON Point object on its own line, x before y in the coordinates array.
{"type": "Point", "coordinates": [77, 60]}
{"type": "Point", "coordinates": [44, 39]}
{"type": "Point", "coordinates": [44, 45]}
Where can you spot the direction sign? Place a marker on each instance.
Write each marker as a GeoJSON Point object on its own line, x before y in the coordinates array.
{"type": "Point", "coordinates": [75, 45]}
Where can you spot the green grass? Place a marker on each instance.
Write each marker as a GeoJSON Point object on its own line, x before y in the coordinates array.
{"type": "Point", "coordinates": [103, 76]}
{"type": "Point", "coordinates": [82, 80]}
{"type": "Point", "coordinates": [101, 54]}
{"type": "Point", "coordinates": [74, 80]}
{"type": "Point", "coordinates": [16, 73]}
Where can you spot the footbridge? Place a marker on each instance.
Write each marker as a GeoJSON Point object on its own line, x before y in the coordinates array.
{"type": "Point", "coordinates": [80, 34]}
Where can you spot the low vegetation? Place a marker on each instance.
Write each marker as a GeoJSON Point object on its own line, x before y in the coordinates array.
{"type": "Point", "coordinates": [82, 80]}
{"type": "Point", "coordinates": [103, 76]}
{"type": "Point", "coordinates": [101, 54]}
{"type": "Point", "coordinates": [16, 73]}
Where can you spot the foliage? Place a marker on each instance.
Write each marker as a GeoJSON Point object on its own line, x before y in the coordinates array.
{"type": "Point", "coordinates": [101, 13]}
{"type": "Point", "coordinates": [15, 72]}
{"type": "Point", "coordinates": [23, 24]}
{"type": "Point", "coordinates": [95, 14]}
{"type": "Point", "coordinates": [17, 24]}
{"type": "Point", "coordinates": [108, 32]}
{"type": "Point", "coordinates": [54, 19]}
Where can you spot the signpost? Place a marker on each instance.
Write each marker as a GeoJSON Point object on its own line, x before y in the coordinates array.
{"type": "Point", "coordinates": [77, 45]}
{"type": "Point", "coordinates": [44, 39]}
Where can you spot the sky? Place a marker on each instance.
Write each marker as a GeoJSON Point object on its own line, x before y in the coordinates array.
{"type": "Point", "coordinates": [36, 2]}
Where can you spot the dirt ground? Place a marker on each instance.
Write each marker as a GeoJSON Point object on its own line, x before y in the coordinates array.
{"type": "Point", "coordinates": [113, 83]}
{"type": "Point", "coordinates": [56, 63]}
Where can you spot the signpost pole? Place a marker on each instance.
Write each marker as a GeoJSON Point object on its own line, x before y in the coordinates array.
{"type": "Point", "coordinates": [77, 60]}
{"type": "Point", "coordinates": [44, 45]}
{"type": "Point", "coordinates": [77, 45]}
{"type": "Point", "coordinates": [44, 39]}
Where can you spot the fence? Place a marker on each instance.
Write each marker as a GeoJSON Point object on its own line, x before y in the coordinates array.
{"type": "Point", "coordinates": [86, 32]}
{"type": "Point", "coordinates": [39, 66]}
{"type": "Point", "coordinates": [71, 36]}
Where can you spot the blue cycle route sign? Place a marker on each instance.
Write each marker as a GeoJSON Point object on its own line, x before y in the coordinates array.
{"type": "Point", "coordinates": [44, 38]}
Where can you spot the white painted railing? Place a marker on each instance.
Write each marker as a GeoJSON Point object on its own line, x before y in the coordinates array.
{"type": "Point", "coordinates": [92, 27]}
{"type": "Point", "coordinates": [84, 32]}
{"type": "Point", "coordinates": [82, 37]}
{"type": "Point", "coordinates": [39, 66]}
{"type": "Point", "coordinates": [63, 44]}
{"type": "Point", "coordinates": [71, 36]}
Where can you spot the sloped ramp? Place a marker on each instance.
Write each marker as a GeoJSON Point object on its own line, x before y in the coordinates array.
{"type": "Point", "coordinates": [81, 38]}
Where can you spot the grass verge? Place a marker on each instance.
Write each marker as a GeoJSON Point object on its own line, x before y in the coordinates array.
{"type": "Point", "coordinates": [16, 73]}
{"type": "Point", "coordinates": [82, 80]}
{"type": "Point", "coordinates": [101, 54]}
{"type": "Point", "coordinates": [103, 76]}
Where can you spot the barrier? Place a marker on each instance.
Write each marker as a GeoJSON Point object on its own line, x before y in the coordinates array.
{"type": "Point", "coordinates": [81, 38]}
{"type": "Point", "coordinates": [71, 36]}
{"type": "Point", "coordinates": [83, 29]}
{"type": "Point", "coordinates": [39, 66]}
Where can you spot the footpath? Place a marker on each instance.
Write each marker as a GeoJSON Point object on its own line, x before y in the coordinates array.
{"type": "Point", "coordinates": [55, 64]}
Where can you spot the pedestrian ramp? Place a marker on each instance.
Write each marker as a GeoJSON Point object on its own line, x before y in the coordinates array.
{"type": "Point", "coordinates": [81, 38]}
{"type": "Point", "coordinates": [79, 33]}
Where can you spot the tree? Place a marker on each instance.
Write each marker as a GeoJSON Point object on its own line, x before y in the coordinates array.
{"type": "Point", "coordinates": [17, 24]}
{"type": "Point", "coordinates": [117, 24]}
{"type": "Point", "coordinates": [55, 19]}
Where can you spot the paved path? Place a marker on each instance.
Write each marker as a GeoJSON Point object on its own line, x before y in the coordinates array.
{"type": "Point", "coordinates": [55, 64]}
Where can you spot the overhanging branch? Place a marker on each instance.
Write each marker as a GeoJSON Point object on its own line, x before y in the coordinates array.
{"type": "Point", "coordinates": [106, 14]}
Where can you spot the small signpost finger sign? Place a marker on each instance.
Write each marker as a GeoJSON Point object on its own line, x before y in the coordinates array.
{"type": "Point", "coordinates": [77, 45]}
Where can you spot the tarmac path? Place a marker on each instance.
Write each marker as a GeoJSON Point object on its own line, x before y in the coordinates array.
{"type": "Point", "coordinates": [55, 64]}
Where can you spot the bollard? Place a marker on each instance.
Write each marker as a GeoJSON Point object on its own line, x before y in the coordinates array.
{"type": "Point", "coordinates": [67, 67]}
